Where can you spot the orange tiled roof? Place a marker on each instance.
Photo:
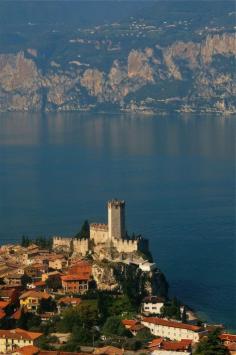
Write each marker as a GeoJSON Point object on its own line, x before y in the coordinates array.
{"type": "Point", "coordinates": [155, 342]}
{"type": "Point", "coordinates": [28, 350]}
{"type": "Point", "coordinates": [19, 334]}
{"type": "Point", "coordinates": [170, 323]}
{"type": "Point", "coordinates": [34, 294]}
{"type": "Point", "coordinates": [108, 350]}
{"type": "Point", "coordinates": [4, 304]}
{"type": "Point", "coordinates": [129, 322]}
{"type": "Point", "coordinates": [228, 337]}
{"type": "Point", "coordinates": [76, 277]}
{"type": "Point", "coordinates": [176, 345]}
{"type": "Point", "coordinates": [16, 315]}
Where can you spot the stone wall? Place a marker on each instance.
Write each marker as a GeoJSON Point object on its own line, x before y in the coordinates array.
{"type": "Point", "coordinates": [80, 246]}
{"type": "Point", "coordinates": [62, 243]}
{"type": "Point", "coordinates": [99, 233]}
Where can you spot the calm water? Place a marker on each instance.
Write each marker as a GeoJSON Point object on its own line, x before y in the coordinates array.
{"type": "Point", "coordinates": [176, 174]}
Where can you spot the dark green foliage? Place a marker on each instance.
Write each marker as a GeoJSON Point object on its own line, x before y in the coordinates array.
{"type": "Point", "coordinates": [171, 310]}
{"type": "Point", "coordinates": [28, 321]}
{"type": "Point", "coordinates": [45, 342]}
{"type": "Point", "coordinates": [41, 242]}
{"type": "Point", "coordinates": [84, 231]}
{"type": "Point", "coordinates": [53, 283]}
{"type": "Point", "coordinates": [211, 345]}
{"type": "Point", "coordinates": [114, 326]}
{"type": "Point", "coordinates": [163, 286]}
{"type": "Point", "coordinates": [25, 279]}
{"type": "Point", "coordinates": [47, 305]}
{"type": "Point", "coordinates": [184, 316]}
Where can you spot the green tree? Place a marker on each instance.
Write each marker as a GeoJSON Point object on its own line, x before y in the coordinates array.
{"type": "Point", "coordinates": [211, 345]}
{"type": "Point", "coordinates": [47, 305]}
{"type": "Point", "coordinates": [114, 326]}
{"type": "Point", "coordinates": [25, 279]}
{"type": "Point", "coordinates": [53, 283]}
{"type": "Point", "coordinates": [171, 309]}
{"type": "Point", "coordinates": [184, 316]}
{"type": "Point", "coordinates": [25, 242]}
{"type": "Point", "coordinates": [84, 231]}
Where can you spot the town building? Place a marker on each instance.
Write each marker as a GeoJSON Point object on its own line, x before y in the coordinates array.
{"type": "Point", "coordinates": [152, 305]}
{"type": "Point", "coordinates": [12, 339]}
{"type": "Point", "coordinates": [172, 329]}
{"type": "Point", "coordinates": [75, 283]}
{"type": "Point", "coordinates": [31, 300]}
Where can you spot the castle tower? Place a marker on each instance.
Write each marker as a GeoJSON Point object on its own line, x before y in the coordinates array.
{"type": "Point", "coordinates": [116, 219]}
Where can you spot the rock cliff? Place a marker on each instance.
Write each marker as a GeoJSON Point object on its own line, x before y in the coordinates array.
{"type": "Point", "coordinates": [185, 75]}
{"type": "Point", "coordinates": [122, 277]}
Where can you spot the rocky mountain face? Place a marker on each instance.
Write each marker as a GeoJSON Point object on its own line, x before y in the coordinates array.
{"type": "Point", "coordinates": [189, 69]}
{"type": "Point", "coordinates": [111, 276]}
{"type": "Point", "coordinates": [171, 65]}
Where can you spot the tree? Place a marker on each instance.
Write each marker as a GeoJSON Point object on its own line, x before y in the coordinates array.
{"type": "Point", "coordinates": [54, 283]}
{"type": "Point", "coordinates": [171, 309]}
{"type": "Point", "coordinates": [47, 305]}
{"type": "Point", "coordinates": [25, 279]}
{"type": "Point", "coordinates": [184, 316]}
{"type": "Point", "coordinates": [114, 326]}
{"type": "Point", "coordinates": [25, 242]}
{"type": "Point", "coordinates": [84, 231]}
{"type": "Point", "coordinates": [211, 345]}
{"type": "Point", "coordinates": [28, 321]}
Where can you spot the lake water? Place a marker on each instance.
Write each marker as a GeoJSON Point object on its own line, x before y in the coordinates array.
{"type": "Point", "coordinates": [176, 174]}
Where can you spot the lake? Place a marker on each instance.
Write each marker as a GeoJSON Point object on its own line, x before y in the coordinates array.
{"type": "Point", "coordinates": [176, 173]}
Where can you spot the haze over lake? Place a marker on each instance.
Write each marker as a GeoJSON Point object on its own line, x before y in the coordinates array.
{"type": "Point", "coordinates": [176, 173]}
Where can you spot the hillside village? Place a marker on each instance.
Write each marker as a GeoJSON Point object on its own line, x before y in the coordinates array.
{"type": "Point", "coordinates": [98, 292]}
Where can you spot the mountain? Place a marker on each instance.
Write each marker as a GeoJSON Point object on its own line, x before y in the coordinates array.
{"type": "Point", "coordinates": [155, 57]}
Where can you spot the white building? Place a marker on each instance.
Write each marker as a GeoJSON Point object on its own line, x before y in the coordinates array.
{"type": "Point", "coordinates": [172, 329]}
{"type": "Point", "coordinates": [16, 338]}
{"type": "Point", "coordinates": [152, 305]}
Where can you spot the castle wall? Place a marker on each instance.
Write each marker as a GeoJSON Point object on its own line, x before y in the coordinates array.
{"type": "Point", "coordinates": [81, 246]}
{"type": "Point", "coordinates": [99, 233]}
{"type": "Point", "coordinates": [125, 246]}
{"type": "Point", "coordinates": [61, 243]}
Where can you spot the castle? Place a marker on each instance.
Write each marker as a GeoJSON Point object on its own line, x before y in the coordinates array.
{"type": "Point", "coordinates": [111, 235]}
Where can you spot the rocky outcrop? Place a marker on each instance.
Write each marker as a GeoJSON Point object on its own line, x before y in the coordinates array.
{"type": "Point", "coordinates": [110, 276]}
{"type": "Point", "coordinates": [197, 75]}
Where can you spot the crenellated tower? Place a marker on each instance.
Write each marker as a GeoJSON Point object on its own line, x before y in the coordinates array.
{"type": "Point", "coordinates": [116, 219]}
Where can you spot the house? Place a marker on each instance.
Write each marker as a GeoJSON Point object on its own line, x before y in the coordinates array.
{"type": "Point", "coordinates": [134, 326]}
{"type": "Point", "coordinates": [13, 279]}
{"type": "Point", "coordinates": [170, 352]}
{"type": "Point", "coordinates": [58, 262]}
{"type": "Point", "coordinates": [152, 305]}
{"type": "Point", "coordinates": [16, 338]}
{"type": "Point", "coordinates": [32, 299]}
{"type": "Point", "coordinates": [75, 283]}
{"type": "Point", "coordinates": [26, 350]}
{"type": "Point", "coordinates": [172, 329]}
{"type": "Point", "coordinates": [9, 294]}
{"type": "Point", "coordinates": [65, 302]}
{"type": "Point", "coordinates": [229, 340]}
{"type": "Point", "coordinates": [162, 344]}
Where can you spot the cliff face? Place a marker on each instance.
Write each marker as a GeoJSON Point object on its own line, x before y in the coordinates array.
{"type": "Point", "coordinates": [192, 76]}
{"type": "Point", "coordinates": [118, 276]}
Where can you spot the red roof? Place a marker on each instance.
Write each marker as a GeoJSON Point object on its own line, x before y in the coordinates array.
{"type": "Point", "coordinates": [19, 334]}
{"type": "Point", "coordinates": [75, 277]}
{"type": "Point", "coordinates": [170, 323]}
{"type": "Point", "coordinates": [155, 342]}
{"type": "Point", "coordinates": [4, 304]}
{"type": "Point", "coordinates": [129, 322]}
{"type": "Point", "coordinates": [183, 344]}
{"type": "Point", "coordinates": [16, 315]}
{"type": "Point", "coordinates": [28, 350]}
{"type": "Point", "coordinates": [40, 283]}
{"type": "Point", "coordinates": [228, 337]}
{"type": "Point", "coordinates": [2, 314]}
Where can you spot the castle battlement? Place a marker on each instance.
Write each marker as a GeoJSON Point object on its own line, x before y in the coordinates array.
{"type": "Point", "coordinates": [104, 235]}
{"type": "Point", "coordinates": [99, 226]}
